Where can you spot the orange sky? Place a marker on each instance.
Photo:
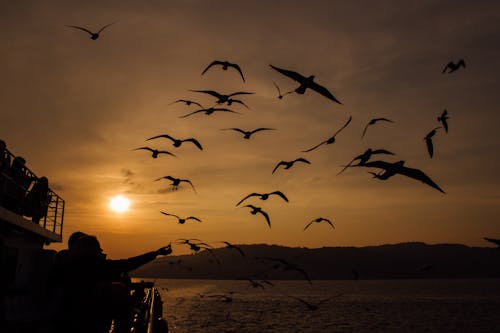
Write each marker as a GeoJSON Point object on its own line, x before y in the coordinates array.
{"type": "Point", "coordinates": [75, 109]}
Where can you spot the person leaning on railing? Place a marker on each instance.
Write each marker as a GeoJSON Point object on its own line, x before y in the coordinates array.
{"type": "Point", "coordinates": [18, 182]}
{"type": "Point", "coordinates": [37, 200]}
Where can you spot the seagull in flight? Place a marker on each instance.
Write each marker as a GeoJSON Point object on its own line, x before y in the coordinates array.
{"type": "Point", "coordinates": [248, 134]}
{"type": "Point", "coordinates": [93, 35]}
{"type": "Point", "coordinates": [155, 152]}
{"type": "Point", "coordinates": [264, 196]}
{"type": "Point", "coordinates": [306, 82]}
{"type": "Point", "coordinates": [451, 66]}
{"type": "Point", "coordinates": [428, 141]}
{"type": "Point", "coordinates": [259, 210]}
{"type": "Point", "coordinates": [234, 247]}
{"type": "Point", "coordinates": [443, 119]}
{"type": "Point", "coordinates": [330, 140]}
{"type": "Point", "coordinates": [176, 182]}
{"type": "Point", "coordinates": [391, 169]}
{"type": "Point", "coordinates": [372, 122]}
{"type": "Point", "coordinates": [280, 95]}
{"type": "Point", "coordinates": [286, 266]}
{"type": "Point", "coordinates": [187, 102]}
{"type": "Point", "coordinates": [177, 142]}
{"type": "Point", "coordinates": [225, 65]}
{"type": "Point", "coordinates": [181, 220]}
{"type": "Point", "coordinates": [209, 111]}
{"type": "Point", "coordinates": [318, 220]}
{"type": "Point", "coordinates": [221, 98]}
{"type": "Point", "coordinates": [289, 164]}
{"type": "Point", "coordinates": [365, 157]}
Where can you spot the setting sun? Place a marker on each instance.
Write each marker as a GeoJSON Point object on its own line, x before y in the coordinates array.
{"type": "Point", "coordinates": [119, 204]}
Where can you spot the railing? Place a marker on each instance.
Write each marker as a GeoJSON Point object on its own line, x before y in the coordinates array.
{"type": "Point", "coordinates": [18, 185]}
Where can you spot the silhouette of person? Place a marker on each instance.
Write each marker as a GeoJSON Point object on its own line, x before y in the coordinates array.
{"type": "Point", "coordinates": [37, 200]}
{"type": "Point", "coordinates": [4, 167]}
{"type": "Point", "coordinates": [88, 300]}
{"type": "Point", "coordinates": [17, 185]}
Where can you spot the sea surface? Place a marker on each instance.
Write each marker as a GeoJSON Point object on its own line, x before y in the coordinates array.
{"type": "Point", "coordinates": [344, 306]}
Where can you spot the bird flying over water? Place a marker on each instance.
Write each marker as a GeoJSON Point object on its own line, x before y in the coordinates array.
{"type": "Point", "coordinates": [187, 102]}
{"type": "Point", "coordinates": [264, 196]}
{"type": "Point", "coordinates": [221, 98]}
{"type": "Point", "coordinates": [451, 66]}
{"type": "Point", "coordinates": [289, 164]}
{"type": "Point", "coordinates": [330, 140]}
{"type": "Point", "coordinates": [225, 65]}
{"type": "Point", "coordinates": [280, 95]}
{"type": "Point", "coordinates": [363, 158]}
{"type": "Point", "coordinates": [182, 220]}
{"type": "Point", "coordinates": [234, 247]}
{"type": "Point", "coordinates": [318, 220]}
{"type": "Point", "coordinates": [428, 141]}
{"type": "Point", "coordinates": [93, 35]}
{"type": "Point", "coordinates": [155, 152]}
{"type": "Point", "coordinates": [286, 266]}
{"type": "Point", "coordinates": [259, 210]}
{"type": "Point", "coordinates": [443, 119]}
{"type": "Point", "coordinates": [209, 111]}
{"type": "Point", "coordinates": [391, 169]}
{"type": "Point", "coordinates": [372, 122]}
{"type": "Point", "coordinates": [177, 181]}
{"type": "Point", "coordinates": [306, 82]}
{"type": "Point", "coordinates": [248, 134]}
{"type": "Point", "coordinates": [177, 142]}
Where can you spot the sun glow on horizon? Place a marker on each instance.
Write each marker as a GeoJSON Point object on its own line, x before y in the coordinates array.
{"type": "Point", "coordinates": [119, 204]}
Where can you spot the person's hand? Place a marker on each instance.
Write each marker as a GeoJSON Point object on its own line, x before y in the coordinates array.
{"type": "Point", "coordinates": [164, 250]}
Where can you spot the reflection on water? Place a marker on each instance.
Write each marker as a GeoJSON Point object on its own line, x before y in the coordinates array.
{"type": "Point", "coordinates": [370, 306]}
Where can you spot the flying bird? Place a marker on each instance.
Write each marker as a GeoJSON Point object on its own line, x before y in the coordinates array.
{"type": "Point", "coordinates": [209, 111]}
{"type": "Point", "coordinates": [182, 220]}
{"type": "Point", "coordinates": [176, 182]}
{"type": "Point", "coordinates": [187, 102]}
{"type": "Point", "coordinates": [280, 95]}
{"type": "Point", "coordinates": [443, 119]}
{"type": "Point", "coordinates": [177, 142]}
{"type": "Point", "coordinates": [264, 196]}
{"type": "Point", "coordinates": [391, 169]}
{"type": "Point", "coordinates": [318, 220]}
{"type": "Point", "coordinates": [155, 152]}
{"type": "Point", "coordinates": [306, 82]}
{"type": "Point", "coordinates": [225, 65]}
{"type": "Point", "coordinates": [372, 122]}
{"type": "Point", "coordinates": [451, 66]}
{"type": "Point", "coordinates": [428, 141]}
{"type": "Point", "coordinates": [365, 157]}
{"type": "Point", "coordinates": [234, 247]}
{"type": "Point", "coordinates": [286, 266]}
{"type": "Point", "coordinates": [93, 35]}
{"type": "Point", "coordinates": [221, 98]}
{"type": "Point", "coordinates": [257, 284]}
{"type": "Point", "coordinates": [248, 134]}
{"type": "Point", "coordinates": [330, 140]}
{"type": "Point", "coordinates": [259, 210]}
{"type": "Point", "coordinates": [289, 164]}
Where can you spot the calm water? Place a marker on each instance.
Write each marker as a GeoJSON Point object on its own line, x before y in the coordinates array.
{"type": "Point", "coordinates": [367, 306]}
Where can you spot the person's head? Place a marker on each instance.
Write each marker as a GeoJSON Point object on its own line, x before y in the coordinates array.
{"type": "Point", "coordinates": [88, 246]}
{"type": "Point", "coordinates": [73, 239]}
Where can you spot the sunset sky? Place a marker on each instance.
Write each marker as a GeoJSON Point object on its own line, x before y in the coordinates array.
{"type": "Point", "coordinates": [76, 108]}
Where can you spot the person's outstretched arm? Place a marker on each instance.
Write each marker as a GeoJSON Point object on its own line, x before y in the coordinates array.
{"type": "Point", "coordinates": [117, 267]}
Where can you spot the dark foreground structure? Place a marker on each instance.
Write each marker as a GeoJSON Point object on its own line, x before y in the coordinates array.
{"type": "Point", "coordinates": [31, 216]}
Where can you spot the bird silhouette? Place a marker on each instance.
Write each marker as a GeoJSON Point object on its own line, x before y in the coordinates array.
{"type": "Point", "coordinates": [451, 66]}
{"type": "Point", "coordinates": [260, 284]}
{"type": "Point", "coordinates": [391, 169]}
{"type": "Point", "coordinates": [209, 111]}
{"type": "Point", "coordinates": [287, 266]}
{"type": "Point", "coordinates": [155, 152]}
{"type": "Point", "coordinates": [177, 142]}
{"type": "Point", "coordinates": [330, 140]}
{"type": "Point", "coordinates": [372, 122]}
{"type": "Point", "coordinates": [221, 98]}
{"type": "Point", "coordinates": [289, 164]}
{"type": "Point", "coordinates": [182, 220]}
{"type": "Point", "coordinates": [493, 241]}
{"type": "Point", "coordinates": [443, 119]}
{"type": "Point", "coordinates": [176, 182]}
{"type": "Point", "coordinates": [280, 95]}
{"type": "Point", "coordinates": [248, 134]}
{"type": "Point", "coordinates": [318, 220]}
{"type": "Point", "coordinates": [234, 247]}
{"type": "Point", "coordinates": [314, 306]}
{"type": "Point", "coordinates": [365, 157]}
{"type": "Point", "coordinates": [225, 65]}
{"type": "Point", "coordinates": [264, 196]}
{"type": "Point", "coordinates": [93, 35]}
{"type": "Point", "coordinates": [428, 141]}
{"type": "Point", "coordinates": [187, 102]}
{"type": "Point", "coordinates": [259, 210]}
{"type": "Point", "coordinates": [306, 82]}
